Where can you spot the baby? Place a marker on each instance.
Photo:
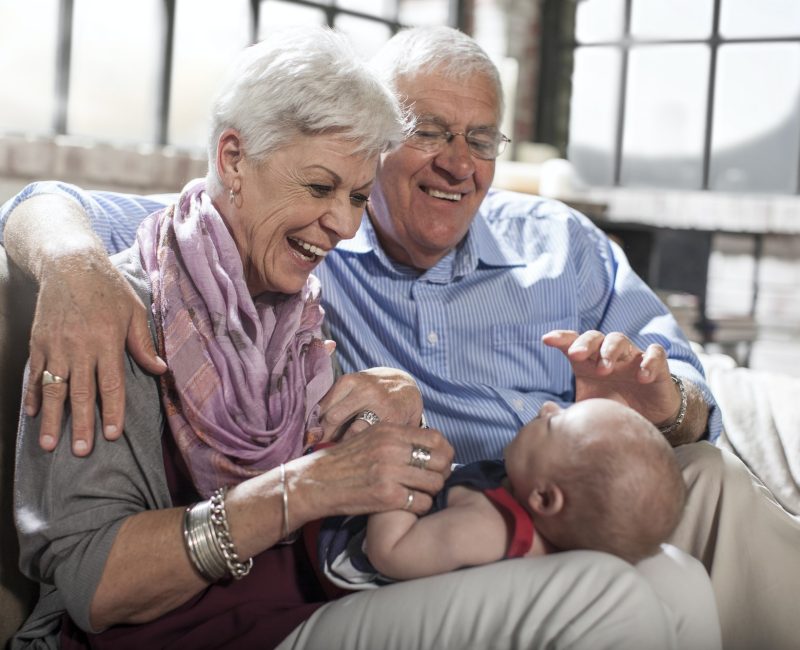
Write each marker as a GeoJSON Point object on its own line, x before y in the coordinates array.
{"type": "Point", "coordinates": [596, 475]}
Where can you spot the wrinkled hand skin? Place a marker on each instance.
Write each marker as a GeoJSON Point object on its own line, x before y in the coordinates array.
{"type": "Point", "coordinates": [611, 366]}
{"type": "Point", "coordinates": [391, 393]}
{"type": "Point", "coordinates": [86, 315]}
{"type": "Point", "coordinates": [369, 471]}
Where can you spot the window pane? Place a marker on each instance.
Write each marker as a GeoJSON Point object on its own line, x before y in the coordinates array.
{"type": "Point", "coordinates": [665, 116]}
{"type": "Point", "coordinates": [367, 36]}
{"type": "Point", "coordinates": [198, 69]}
{"type": "Point", "coordinates": [593, 113]}
{"type": "Point", "coordinates": [114, 73]}
{"type": "Point", "coordinates": [756, 133]}
{"type": "Point", "coordinates": [599, 20]}
{"type": "Point", "coordinates": [276, 14]}
{"type": "Point", "coordinates": [27, 65]}
{"type": "Point", "coordinates": [671, 18]}
{"type": "Point", "coordinates": [491, 29]}
{"type": "Point", "coordinates": [424, 12]}
{"type": "Point", "coordinates": [381, 8]}
{"type": "Point", "coordinates": [762, 18]}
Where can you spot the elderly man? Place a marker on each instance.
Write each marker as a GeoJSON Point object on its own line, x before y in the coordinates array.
{"type": "Point", "coordinates": [493, 301]}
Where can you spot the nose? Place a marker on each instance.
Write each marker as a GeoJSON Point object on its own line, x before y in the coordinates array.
{"type": "Point", "coordinates": [342, 218]}
{"type": "Point", "coordinates": [456, 158]}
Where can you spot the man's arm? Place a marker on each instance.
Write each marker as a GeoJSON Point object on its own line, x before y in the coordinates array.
{"type": "Point", "coordinates": [634, 321]}
{"type": "Point", "coordinates": [85, 315]}
{"type": "Point", "coordinates": [611, 366]}
{"type": "Point", "coordinates": [470, 531]}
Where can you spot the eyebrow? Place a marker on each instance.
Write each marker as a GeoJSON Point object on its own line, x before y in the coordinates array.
{"type": "Point", "coordinates": [338, 179]}
{"type": "Point", "coordinates": [429, 117]}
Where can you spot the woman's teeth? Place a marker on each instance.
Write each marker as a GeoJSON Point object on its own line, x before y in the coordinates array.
{"type": "Point", "coordinates": [309, 248]}
{"type": "Point", "coordinates": [438, 194]}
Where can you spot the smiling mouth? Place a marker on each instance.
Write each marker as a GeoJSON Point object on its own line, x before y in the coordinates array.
{"type": "Point", "coordinates": [308, 251]}
{"type": "Point", "coordinates": [439, 194]}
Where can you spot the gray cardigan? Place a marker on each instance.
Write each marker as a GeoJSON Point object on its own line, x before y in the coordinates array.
{"type": "Point", "coordinates": [68, 509]}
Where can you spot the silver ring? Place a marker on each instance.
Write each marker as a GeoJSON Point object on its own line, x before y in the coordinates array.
{"type": "Point", "coordinates": [370, 417]}
{"type": "Point", "coordinates": [409, 501]}
{"type": "Point", "coordinates": [419, 457]}
{"type": "Point", "coordinates": [49, 378]}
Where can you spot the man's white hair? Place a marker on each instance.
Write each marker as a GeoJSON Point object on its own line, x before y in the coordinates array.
{"type": "Point", "coordinates": [441, 50]}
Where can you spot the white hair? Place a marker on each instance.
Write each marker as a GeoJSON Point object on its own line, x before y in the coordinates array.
{"type": "Point", "coordinates": [304, 81]}
{"type": "Point", "coordinates": [441, 50]}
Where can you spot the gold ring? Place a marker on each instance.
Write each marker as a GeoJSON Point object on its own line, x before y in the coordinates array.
{"type": "Point", "coordinates": [409, 501]}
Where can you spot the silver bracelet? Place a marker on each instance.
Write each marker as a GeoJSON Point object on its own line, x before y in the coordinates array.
{"type": "Point", "coordinates": [201, 542]}
{"type": "Point", "coordinates": [681, 411]}
{"type": "Point", "coordinates": [219, 521]}
{"type": "Point", "coordinates": [285, 495]}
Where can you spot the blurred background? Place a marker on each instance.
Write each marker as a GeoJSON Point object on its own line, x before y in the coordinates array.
{"type": "Point", "coordinates": [674, 124]}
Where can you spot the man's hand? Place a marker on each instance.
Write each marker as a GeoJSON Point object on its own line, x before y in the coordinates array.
{"type": "Point", "coordinates": [390, 393]}
{"type": "Point", "coordinates": [86, 315]}
{"type": "Point", "coordinates": [611, 366]}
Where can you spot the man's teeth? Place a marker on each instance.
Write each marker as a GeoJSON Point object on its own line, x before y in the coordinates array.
{"type": "Point", "coordinates": [438, 194]}
{"type": "Point", "coordinates": [314, 250]}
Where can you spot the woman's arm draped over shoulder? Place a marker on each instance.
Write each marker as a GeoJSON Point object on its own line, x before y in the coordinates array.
{"type": "Point", "coordinates": [85, 315]}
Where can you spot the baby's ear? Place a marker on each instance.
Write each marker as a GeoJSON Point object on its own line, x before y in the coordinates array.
{"type": "Point", "coordinates": [546, 500]}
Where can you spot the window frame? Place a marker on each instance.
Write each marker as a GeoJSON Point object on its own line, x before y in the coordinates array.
{"type": "Point", "coordinates": [558, 47]}
{"type": "Point", "coordinates": [457, 11]}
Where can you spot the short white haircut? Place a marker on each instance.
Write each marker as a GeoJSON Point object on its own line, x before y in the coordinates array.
{"type": "Point", "coordinates": [440, 50]}
{"type": "Point", "coordinates": [304, 81]}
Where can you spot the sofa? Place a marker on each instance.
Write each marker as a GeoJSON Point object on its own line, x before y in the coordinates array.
{"type": "Point", "coordinates": [17, 594]}
{"type": "Point", "coordinates": [751, 401]}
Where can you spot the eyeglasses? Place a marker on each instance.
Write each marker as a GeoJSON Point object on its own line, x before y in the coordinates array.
{"type": "Point", "coordinates": [483, 143]}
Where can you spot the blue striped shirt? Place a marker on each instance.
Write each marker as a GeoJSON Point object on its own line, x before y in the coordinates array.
{"type": "Point", "coordinates": [469, 329]}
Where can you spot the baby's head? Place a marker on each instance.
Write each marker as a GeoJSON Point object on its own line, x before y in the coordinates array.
{"type": "Point", "coordinates": [597, 475]}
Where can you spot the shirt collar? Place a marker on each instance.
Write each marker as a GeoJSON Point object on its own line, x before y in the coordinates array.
{"type": "Point", "coordinates": [480, 245]}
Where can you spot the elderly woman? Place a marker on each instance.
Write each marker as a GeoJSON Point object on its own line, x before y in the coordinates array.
{"type": "Point", "coordinates": [172, 536]}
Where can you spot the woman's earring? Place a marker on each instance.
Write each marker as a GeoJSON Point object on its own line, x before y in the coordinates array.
{"type": "Point", "coordinates": [232, 196]}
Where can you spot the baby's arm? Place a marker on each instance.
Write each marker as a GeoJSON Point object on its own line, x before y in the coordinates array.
{"type": "Point", "coordinates": [469, 532]}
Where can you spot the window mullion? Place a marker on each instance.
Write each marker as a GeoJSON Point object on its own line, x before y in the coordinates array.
{"type": "Point", "coordinates": [710, 97]}
{"type": "Point", "coordinates": [63, 61]}
{"type": "Point", "coordinates": [623, 86]}
{"type": "Point", "coordinates": [165, 76]}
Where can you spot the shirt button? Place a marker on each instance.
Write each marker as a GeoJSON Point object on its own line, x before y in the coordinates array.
{"type": "Point", "coordinates": [519, 404]}
{"type": "Point", "coordinates": [433, 338]}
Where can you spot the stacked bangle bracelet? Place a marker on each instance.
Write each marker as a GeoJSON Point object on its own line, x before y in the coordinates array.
{"type": "Point", "coordinates": [208, 540]}
{"type": "Point", "coordinates": [681, 410]}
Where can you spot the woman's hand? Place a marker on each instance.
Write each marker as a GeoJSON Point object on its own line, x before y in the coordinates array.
{"type": "Point", "coordinates": [390, 393]}
{"type": "Point", "coordinates": [370, 471]}
{"type": "Point", "coordinates": [86, 315]}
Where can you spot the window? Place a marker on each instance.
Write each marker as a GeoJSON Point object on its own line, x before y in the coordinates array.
{"type": "Point", "coordinates": [130, 71]}
{"type": "Point", "coordinates": [27, 65]}
{"type": "Point", "coordinates": [686, 94]}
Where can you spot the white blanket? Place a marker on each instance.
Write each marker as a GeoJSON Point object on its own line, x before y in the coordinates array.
{"type": "Point", "coordinates": [761, 419]}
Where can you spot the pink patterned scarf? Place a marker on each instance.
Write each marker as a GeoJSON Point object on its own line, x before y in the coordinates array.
{"type": "Point", "coordinates": [245, 377]}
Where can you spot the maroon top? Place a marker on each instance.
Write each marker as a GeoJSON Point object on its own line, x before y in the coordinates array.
{"type": "Point", "coordinates": [259, 610]}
